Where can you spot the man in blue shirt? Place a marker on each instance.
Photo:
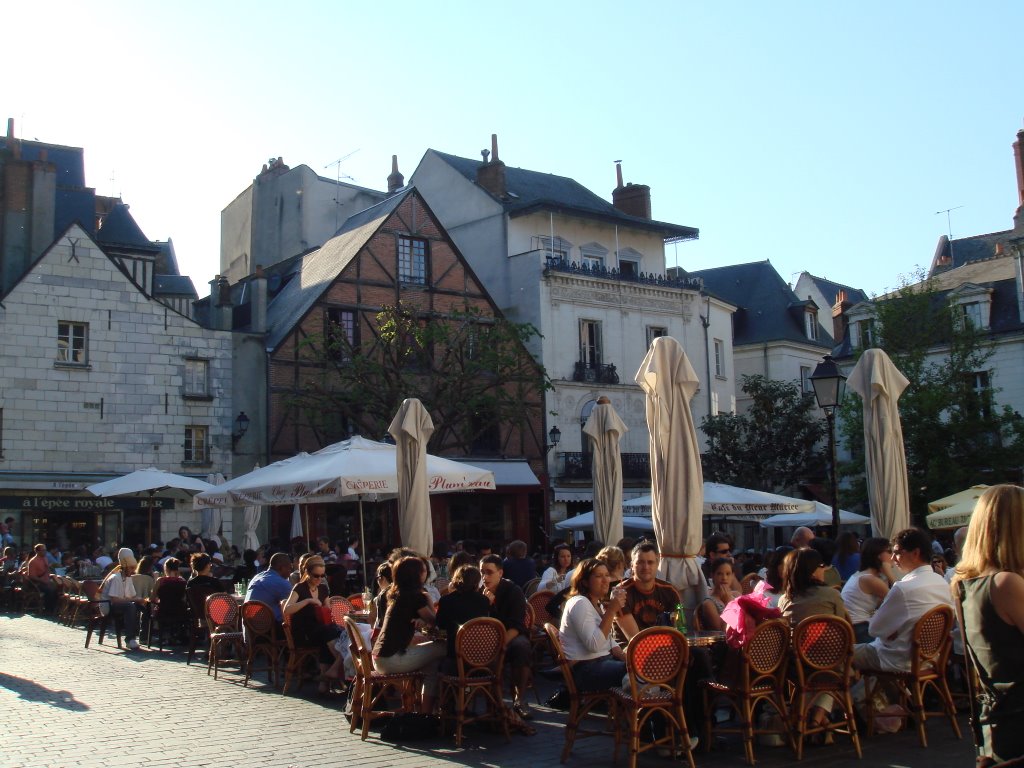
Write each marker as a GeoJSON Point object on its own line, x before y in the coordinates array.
{"type": "Point", "coordinates": [272, 586]}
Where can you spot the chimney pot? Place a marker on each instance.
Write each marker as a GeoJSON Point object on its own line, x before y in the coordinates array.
{"type": "Point", "coordinates": [491, 175]}
{"type": "Point", "coordinates": [396, 180]}
{"type": "Point", "coordinates": [10, 127]}
{"type": "Point", "coordinates": [632, 199]}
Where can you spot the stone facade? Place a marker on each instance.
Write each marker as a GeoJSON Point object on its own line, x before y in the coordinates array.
{"type": "Point", "coordinates": [93, 381]}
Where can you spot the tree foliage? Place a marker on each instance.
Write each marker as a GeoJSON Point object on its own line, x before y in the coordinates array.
{"type": "Point", "coordinates": [472, 372]}
{"type": "Point", "coordinates": [954, 433]}
{"type": "Point", "coordinates": [770, 447]}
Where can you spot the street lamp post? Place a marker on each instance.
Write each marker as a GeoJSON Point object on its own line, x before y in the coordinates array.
{"type": "Point", "coordinates": [829, 387]}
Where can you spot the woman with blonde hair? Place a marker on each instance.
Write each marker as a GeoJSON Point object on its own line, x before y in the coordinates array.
{"type": "Point", "coordinates": [989, 585]}
{"type": "Point", "coordinates": [303, 609]}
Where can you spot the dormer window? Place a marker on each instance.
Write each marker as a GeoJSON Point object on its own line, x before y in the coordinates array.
{"type": "Point", "coordinates": [593, 255]}
{"type": "Point", "coordinates": [555, 249]}
{"type": "Point", "coordinates": [971, 305]}
{"type": "Point", "coordinates": [811, 324]}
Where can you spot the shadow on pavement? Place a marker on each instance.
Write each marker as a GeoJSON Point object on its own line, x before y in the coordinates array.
{"type": "Point", "coordinates": [30, 691]}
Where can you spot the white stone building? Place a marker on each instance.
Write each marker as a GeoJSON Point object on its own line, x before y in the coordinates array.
{"type": "Point", "coordinates": [591, 276]}
{"type": "Point", "coordinates": [97, 379]}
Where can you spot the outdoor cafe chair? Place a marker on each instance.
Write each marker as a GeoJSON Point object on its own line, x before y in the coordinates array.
{"type": "Point", "coordinates": [261, 637]}
{"type": "Point", "coordinates": [538, 602]}
{"type": "Point", "coordinates": [27, 597]}
{"type": "Point", "coordinates": [930, 646]}
{"type": "Point", "coordinates": [823, 653]}
{"type": "Point", "coordinates": [581, 703]}
{"type": "Point", "coordinates": [168, 613]}
{"type": "Point", "coordinates": [760, 676]}
{"type": "Point", "coordinates": [340, 608]}
{"type": "Point", "coordinates": [195, 599]}
{"type": "Point", "coordinates": [479, 656]}
{"type": "Point", "coordinates": [224, 630]}
{"type": "Point", "coordinates": [356, 601]}
{"type": "Point", "coordinates": [531, 586]}
{"type": "Point", "coordinates": [656, 662]}
{"type": "Point", "coordinates": [98, 621]}
{"type": "Point", "coordinates": [372, 687]}
{"type": "Point", "coordinates": [299, 656]}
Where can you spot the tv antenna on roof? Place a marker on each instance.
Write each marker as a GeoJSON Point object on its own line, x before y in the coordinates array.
{"type": "Point", "coordinates": [339, 176]}
{"type": "Point", "coordinates": [949, 227]}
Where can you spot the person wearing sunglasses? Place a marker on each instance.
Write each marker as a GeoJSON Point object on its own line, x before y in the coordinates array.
{"type": "Point", "coordinates": [302, 610]}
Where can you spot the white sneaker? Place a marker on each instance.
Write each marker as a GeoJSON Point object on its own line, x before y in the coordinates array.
{"type": "Point", "coordinates": [133, 644]}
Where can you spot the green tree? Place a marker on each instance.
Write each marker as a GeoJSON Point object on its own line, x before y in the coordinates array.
{"type": "Point", "coordinates": [770, 447]}
{"type": "Point", "coordinates": [954, 433]}
{"type": "Point", "coordinates": [473, 373]}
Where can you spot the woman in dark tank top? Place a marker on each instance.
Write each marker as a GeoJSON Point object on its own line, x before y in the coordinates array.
{"type": "Point", "coordinates": [989, 585]}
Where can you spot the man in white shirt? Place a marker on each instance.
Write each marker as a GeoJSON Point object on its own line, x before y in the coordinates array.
{"type": "Point", "coordinates": [910, 598]}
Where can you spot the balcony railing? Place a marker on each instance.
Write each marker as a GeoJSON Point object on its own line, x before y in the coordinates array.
{"type": "Point", "coordinates": [646, 278]}
{"type": "Point", "coordinates": [595, 372]}
{"type": "Point", "coordinates": [576, 466]}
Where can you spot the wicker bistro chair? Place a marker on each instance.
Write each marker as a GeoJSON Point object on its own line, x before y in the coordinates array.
{"type": "Point", "coordinates": [930, 647]}
{"type": "Point", "coordinates": [761, 676]}
{"type": "Point", "coordinates": [372, 687]}
{"type": "Point", "coordinates": [538, 601]}
{"type": "Point", "coordinates": [262, 638]}
{"type": "Point", "coordinates": [169, 613]}
{"type": "Point", "coordinates": [299, 656]}
{"type": "Point", "coordinates": [356, 601]}
{"type": "Point", "coordinates": [222, 623]}
{"type": "Point", "coordinates": [823, 655]}
{"type": "Point", "coordinates": [340, 608]}
{"type": "Point", "coordinates": [479, 656]}
{"type": "Point", "coordinates": [656, 663]}
{"type": "Point", "coordinates": [581, 703]}
{"type": "Point", "coordinates": [26, 595]}
{"type": "Point", "coordinates": [531, 586]}
{"type": "Point", "coordinates": [98, 621]}
{"type": "Point", "coordinates": [195, 600]}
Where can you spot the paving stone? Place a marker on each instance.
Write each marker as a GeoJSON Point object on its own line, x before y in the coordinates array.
{"type": "Point", "coordinates": [67, 707]}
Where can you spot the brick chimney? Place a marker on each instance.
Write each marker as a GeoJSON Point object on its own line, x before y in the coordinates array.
{"type": "Point", "coordinates": [632, 199]}
{"type": "Point", "coordinates": [1018, 163]}
{"type": "Point", "coordinates": [839, 319]}
{"type": "Point", "coordinates": [395, 180]}
{"type": "Point", "coordinates": [491, 175]}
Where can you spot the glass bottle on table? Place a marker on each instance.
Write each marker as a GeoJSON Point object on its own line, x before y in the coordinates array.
{"type": "Point", "coordinates": [680, 618]}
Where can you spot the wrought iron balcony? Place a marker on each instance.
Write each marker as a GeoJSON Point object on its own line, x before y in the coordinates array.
{"type": "Point", "coordinates": [576, 466]}
{"type": "Point", "coordinates": [646, 278]}
{"type": "Point", "coordinates": [595, 372]}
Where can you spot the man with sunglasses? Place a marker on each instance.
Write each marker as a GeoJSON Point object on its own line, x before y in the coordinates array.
{"type": "Point", "coordinates": [920, 590]}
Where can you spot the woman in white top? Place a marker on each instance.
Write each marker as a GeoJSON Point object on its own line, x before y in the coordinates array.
{"type": "Point", "coordinates": [867, 588]}
{"type": "Point", "coordinates": [556, 578]}
{"type": "Point", "coordinates": [586, 628]}
{"type": "Point", "coordinates": [119, 598]}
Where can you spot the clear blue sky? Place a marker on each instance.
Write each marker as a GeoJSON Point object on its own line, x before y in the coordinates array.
{"type": "Point", "coordinates": [822, 136]}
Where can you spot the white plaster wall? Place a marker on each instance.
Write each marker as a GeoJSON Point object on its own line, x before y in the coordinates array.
{"type": "Point", "coordinates": [137, 349]}
{"type": "Point", "coordinates": [780, 361]}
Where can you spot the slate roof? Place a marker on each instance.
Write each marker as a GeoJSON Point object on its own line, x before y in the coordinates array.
{"type": "Point", "coordinates": [173, 285]}
{"type": "Point", "coordinates": [998, 275]}
{"type": "Point", "coordinates": [969, 249]}
{"type": "Point", "coordinates": [831, 290]}
{"type": "Point", "coordinates": [318, 268]}
{"type": "Point", "coordinates": [120, 229]}
{"type": "Point", "coordinates": [532, 190]}
{"type": "Point", "coordinates": [768, 310]}
{"type": "Point", "coordinates": [74, 202]}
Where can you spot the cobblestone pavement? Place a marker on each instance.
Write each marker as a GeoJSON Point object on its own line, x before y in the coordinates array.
{"type": "Point", "coordinates": [63, 705]}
